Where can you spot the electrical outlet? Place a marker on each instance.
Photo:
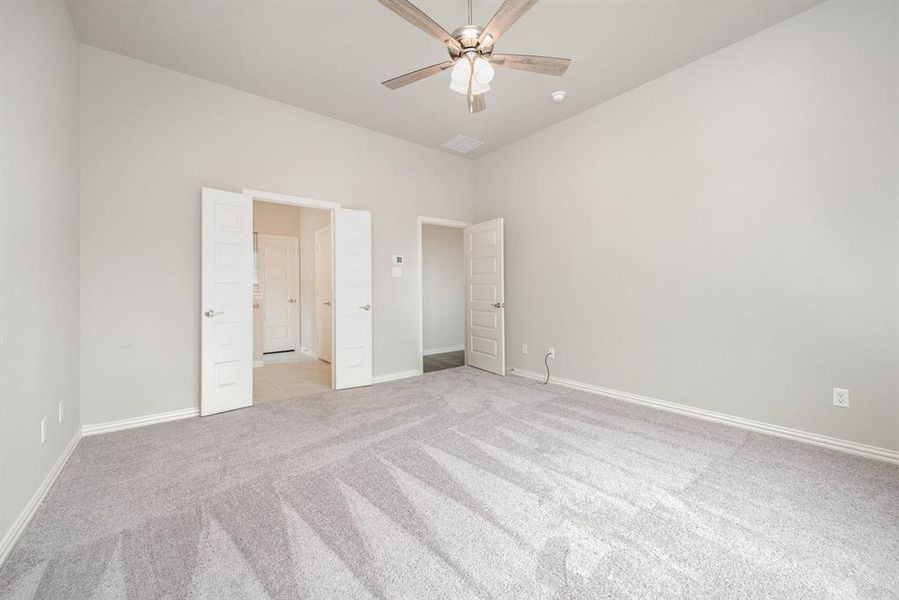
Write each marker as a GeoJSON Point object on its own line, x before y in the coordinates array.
{"type": "Point", "coordinates": [60, 411]}
{"type": "Point", "coordinates": [43, 430]}
{"type": "Point", "coordinates": [524, 348]}
{"type": "Point", "coordinates": [551, 352]}
{"type": "Point", "coordinates": [841, 398]}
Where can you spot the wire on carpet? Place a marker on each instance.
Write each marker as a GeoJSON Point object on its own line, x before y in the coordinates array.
{"type": "Point", "coordinates": [546, 362]}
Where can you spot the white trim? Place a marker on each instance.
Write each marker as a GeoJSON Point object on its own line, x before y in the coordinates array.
{"type": "Point", "coordinates": [394, 376]}
{"type": "Point", "coordinates": [18, 526]}
{"type": "Point", "coordinates": [110, 426]}
{"type": "Point", "coordinates": [423, 220]}
{"type": "Point", "coordinates": [875, 452]}
{"type": "Point", "coordinates": [258, 363]}
{"type": "Point", "coordinates": [443, 222]}
{"type": "Point", "coordinates": [289, 199]}
{"type": "Point", "coordinates": [444, 349]}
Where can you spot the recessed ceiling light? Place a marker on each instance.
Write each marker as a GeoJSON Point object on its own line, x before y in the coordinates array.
{"type": "Point", "coordinates": [558, 97]}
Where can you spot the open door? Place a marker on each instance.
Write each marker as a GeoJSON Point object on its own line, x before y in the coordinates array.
{"type": "Point", "coordinates": [351, 301]}
{"type": "Point", "coordinates": [226, 363]}
{"type": "Point", "coordinates": [323, 288]}
{"type": "Point", "coordinates": [485, 342]}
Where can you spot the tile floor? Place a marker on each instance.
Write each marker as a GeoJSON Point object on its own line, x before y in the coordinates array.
{"type": "Point", "coordinates": [284, 378]}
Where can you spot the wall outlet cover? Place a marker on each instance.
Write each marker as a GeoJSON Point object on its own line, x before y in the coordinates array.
{"type": "Point", "coordinates": [841, 397]}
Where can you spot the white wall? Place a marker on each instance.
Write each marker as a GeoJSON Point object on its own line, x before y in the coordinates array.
{"type": "Point", "coordinates": [310, 220]}
{"type": "Point", "coordinates": [151, 138]}
{"type": "Point", "coordinates": [38, 245]}
{"type": "Point", "coordinates": [443, 287]}
{"type": "Point", "coordinates": [725, 236]}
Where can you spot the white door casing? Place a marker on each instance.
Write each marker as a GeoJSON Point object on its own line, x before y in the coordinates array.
{"type": "Point", "coordinates": [226, 350]}
{"type": "Point", "coordinates": [484, 297]}
{"type": "Point", "coordinates": [352, 298]}
{"type": "Point", "coordinates": [323, 316]}
{"type": "Point", "coordinates": [279, 267]}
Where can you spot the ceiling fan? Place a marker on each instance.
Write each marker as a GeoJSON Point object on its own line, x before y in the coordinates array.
{"type": "Point", "coordinates": [471, 51]}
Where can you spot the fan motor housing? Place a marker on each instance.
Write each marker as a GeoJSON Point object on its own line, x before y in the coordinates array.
{"type": "Point", "coordinates": [467, 36]}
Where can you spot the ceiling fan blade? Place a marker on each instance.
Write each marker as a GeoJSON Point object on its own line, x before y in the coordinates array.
{"type": "Point", "coordinates": [545, 65]}
{"type": "Point", "coordinates": [505, 17]}
{"type": "Point", "coordinates": [477, 104]}
{"type": "Point", "coordinates": [414, 15]}
{"type": "Point", "coordinates": [398, 82]}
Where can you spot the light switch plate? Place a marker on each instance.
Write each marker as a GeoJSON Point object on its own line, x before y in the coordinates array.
{"type": "Point", "coordinates": [397, 272]}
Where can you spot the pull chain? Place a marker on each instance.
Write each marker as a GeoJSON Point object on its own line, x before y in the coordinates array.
{"type": "Point", "coordinates": [469, 13]}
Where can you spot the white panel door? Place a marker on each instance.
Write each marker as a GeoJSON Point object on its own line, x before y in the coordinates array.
{"type": "Point", "coordinates": [322, 293]}
{"type": "Point", "coordinates": [226, 361]}
{"type": "Point", "coordinates": [485, 342]}
{"type": "Point", "coordinates": [279, 269]}
{"type": "Point", "coordinates": [352, 298]}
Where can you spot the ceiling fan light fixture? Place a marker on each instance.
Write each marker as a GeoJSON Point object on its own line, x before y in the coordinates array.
{"type": "Point", "coordinates": [483, 71]}
{"type": "Point", "coordinates": [461, 72]}
{"type": "Point", "coordinates": [462, 88]}
{"type": "Point", "coordinates": [470, 47]}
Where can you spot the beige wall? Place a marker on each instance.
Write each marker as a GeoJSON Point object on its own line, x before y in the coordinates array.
{"type": "Point", "coordinates": [151, 138]}
{"type": "Point", "coordinates": [276, 219]}
{"type": "Point", "coordinates": [38, 246]}
{"type": "Point", "coordinates": [443, 287]}
{"type": "Point", "coordinates": [725, 236]}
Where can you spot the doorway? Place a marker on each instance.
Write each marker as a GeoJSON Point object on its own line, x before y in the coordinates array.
{"type": "Point", "coordinates": [293, 340]}
{"type": "Point", "coordinates": [231, 346]}
{"type": "Point", "coordinates": [443, 297]}
{"type": "Point", "coordinates": [480, 289]}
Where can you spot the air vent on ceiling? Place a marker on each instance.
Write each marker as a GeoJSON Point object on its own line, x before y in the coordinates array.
{"type": "Point", "coordinates": [463, 144]}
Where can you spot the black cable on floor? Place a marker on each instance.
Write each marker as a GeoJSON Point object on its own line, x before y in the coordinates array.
{"type": "Point", "coordinates": [546, 362]}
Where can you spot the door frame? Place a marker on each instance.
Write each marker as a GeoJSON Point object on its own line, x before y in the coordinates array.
{"type": "Point", "coordinates": [293, 239]}
{"type": "Point", "coordinates": [303, 202]}
{"type": "Point", "coordinates": [423, 220]}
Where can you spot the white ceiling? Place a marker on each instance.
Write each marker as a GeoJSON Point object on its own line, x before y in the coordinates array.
{"type": "Point", "coordinates": [329, 56]}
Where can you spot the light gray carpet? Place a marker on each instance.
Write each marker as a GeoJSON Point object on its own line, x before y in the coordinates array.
{"type": "Point", "coordinates": [459, 484]}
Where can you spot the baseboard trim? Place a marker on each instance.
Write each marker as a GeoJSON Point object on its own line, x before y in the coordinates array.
{"type": "Point", "coordinates": [18, 526]}
{"type": "Point", "coordinates": [442, 350]}
{"type": "Point", "coordinates": [110, 426]}
{"type": "Point", "coordinates": [875, 452]}
{"type": "Point", "coordinates": [395, 376]}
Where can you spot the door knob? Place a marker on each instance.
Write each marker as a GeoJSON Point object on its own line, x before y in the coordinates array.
{"type": "Point", "coordinates": [366, 307]}
{"type": "Point", "coordinates": [293, 300]}
{"type": "Point", "coordinates": [211, 313]}
{"type": "Point", "coordinates": [499, 305]}
{"type": "Point", "coordinates": [327, 304]}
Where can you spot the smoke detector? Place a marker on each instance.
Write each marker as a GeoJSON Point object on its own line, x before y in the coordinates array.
{"type": "Point", "coordinates": [559, 97]}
